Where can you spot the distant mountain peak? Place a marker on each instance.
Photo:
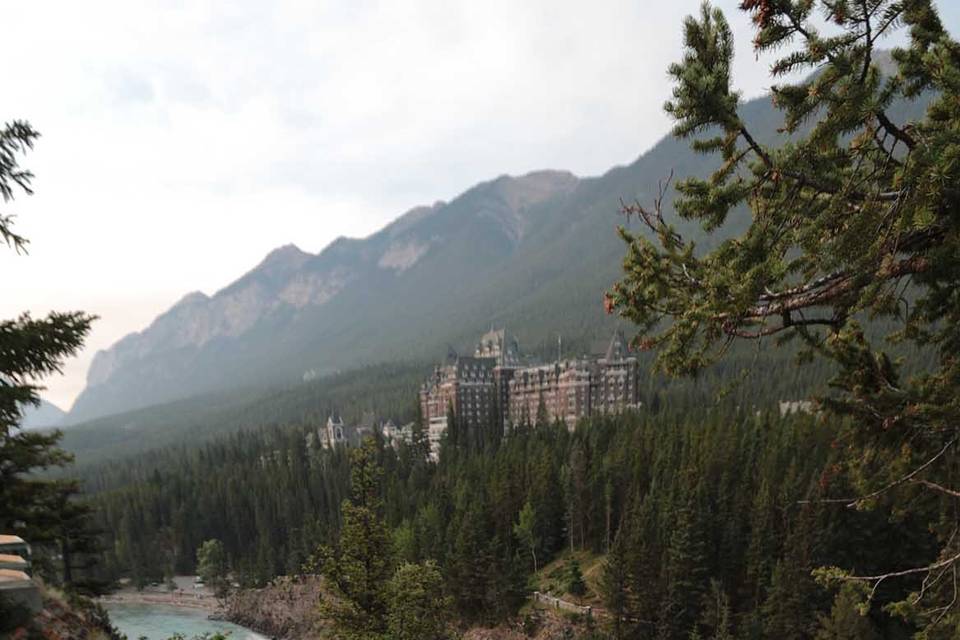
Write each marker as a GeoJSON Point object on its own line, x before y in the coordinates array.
{"type": "Point", "coordinates": [285, 256]}
{"type": "Point", "coordinates": [511, 196]}
{"type": "Point", "coordinates": [191, 298]}
{"type": "Point", "coordinates": [273, 270]}
{"type": "Point", "coordinates": [556, 175]}
{"type": "Point", "coordinates": [286, 252]}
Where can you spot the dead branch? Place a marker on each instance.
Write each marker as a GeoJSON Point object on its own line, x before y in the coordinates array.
{"type": "Point", "coordinates": [854, 502]}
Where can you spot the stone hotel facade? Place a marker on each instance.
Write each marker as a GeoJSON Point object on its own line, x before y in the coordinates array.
{"type": "Point", "coordinates": [493, 385]}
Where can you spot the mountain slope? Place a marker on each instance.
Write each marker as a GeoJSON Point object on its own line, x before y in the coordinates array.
{"type": "Point", "coordinates": [283, 317]}
{"type": "Point", "coordinates": [534, 253]}
{"type": "Point", "coordinates": [41, 417]}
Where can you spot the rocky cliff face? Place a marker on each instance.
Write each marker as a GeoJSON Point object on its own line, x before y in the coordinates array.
{"type": "Point", "coordinates": [286, 609]}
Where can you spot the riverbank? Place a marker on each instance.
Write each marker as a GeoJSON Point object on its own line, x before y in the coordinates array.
{"type": "Point", "coordinates": [205, 603]}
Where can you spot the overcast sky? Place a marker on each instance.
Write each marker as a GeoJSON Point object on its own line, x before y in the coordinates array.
{"type": "Point", "coordinates": [182, 141]}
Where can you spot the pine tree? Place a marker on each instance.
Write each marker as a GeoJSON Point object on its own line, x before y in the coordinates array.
{"type": "Point", "coordinates": [547, 500]}
{"type": "Point", "coordinates": [357, 571]}
{"type": "Point", "coordinates": [716, 616]}
{"type": "Point", "coordinates": [846, 621]}
{"type": "Point", "coordinates": [471, 563]}
{"type": "Point", "coordinates": [213, 566]}
{"type": "Point", "coordinates": [793, 594]}
{"type": "Point", "coordinates": [685, 578]}
{"type": "Point", "coordinates": [614, 584]}
{"type": "Point", "coordinates": [573, 578]}
{"type": "Point", "coordinates": [542, 418]}
{"type": "Point", "coordinates": [418, 608]}
{"type": "Point", "coordinates": [452, 439]}
{"type": "Point", "coordinates": [577, 496]}
{"type": "Point", "coordinates": [30, 350]}
{"type": "Point", "coordinates": [644, 558]}
{"type": "Point", "coordinates": [76, 537]}
{"type": "Point", "coordinates": [854, 218]}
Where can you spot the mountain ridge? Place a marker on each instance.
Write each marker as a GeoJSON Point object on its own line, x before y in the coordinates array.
{"type": "Point", "coordinates": [288, 280]}
{"type": "Point", "coordinates": [532, 252]}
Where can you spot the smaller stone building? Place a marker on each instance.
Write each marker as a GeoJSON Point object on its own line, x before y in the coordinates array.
{"type": "Point", "coordinates": [337, 433]}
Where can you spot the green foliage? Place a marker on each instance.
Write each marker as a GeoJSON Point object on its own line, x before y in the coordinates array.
{"type": "Point", "coordinates": [384, 390]}
{"type": "Point", "coordinates": [72, 534]}
{"type": "Point", "coordinates": [30, 349]}
{"type": "Point", "coordinates": [404, 543]}
{"type": "Point", "coordinates": [848, 619]}
{"type": "Point", "coordinates": [16, 138]}
{"type": "Point", "coordinates": [45, 512]}
{"type": "Point", "coordinates": [716, 615]}
{"type": "Point", "coordinates": [614, 585]}
{"type": "Point", "coordinates": [684, 574]}
{"type": "Point", "coordinates": [213, 566]}
{"type": "Point", "coordinates": [853, 236]}
{"type": "Point", "coordinates": [573, 578]}
{"type": "Point", "coordinates": [703, 506]}
{"type": "Point", "coordinates": [525, 532]}
{"type": "Point", "coordinates": [418, 608]}
{"type": "Point", "coordinates": [357, 571]}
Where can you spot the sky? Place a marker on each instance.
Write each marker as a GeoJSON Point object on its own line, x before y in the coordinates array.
{"type": "Point", "coordinates": [183, 140]}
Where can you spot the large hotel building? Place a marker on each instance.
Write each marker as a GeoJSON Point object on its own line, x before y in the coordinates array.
{"type": "Point", "coordinates": [493, 385]}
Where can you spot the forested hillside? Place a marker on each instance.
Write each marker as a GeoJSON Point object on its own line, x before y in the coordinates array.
{"type": "Point", "coordinates": [690, 505]}
{"type": "Point", "coordinates": [754, 376]}
{"type": "Point", "coordinates": [386, 391]}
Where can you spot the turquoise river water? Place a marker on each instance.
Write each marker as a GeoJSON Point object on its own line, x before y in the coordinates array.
{"type": "Point", "coordinates": [159, 622]}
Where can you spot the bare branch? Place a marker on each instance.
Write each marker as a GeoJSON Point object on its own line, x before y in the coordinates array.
{"type": "Point", "coordinates": [854, 502]}
{"type": "Point", "coordinates": [937, 487]}
{"type": "Point", "coordinates": [878, 579]}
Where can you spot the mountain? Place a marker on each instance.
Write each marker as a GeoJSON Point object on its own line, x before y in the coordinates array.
{"type": "Point", "coordinates": [533, 253]}
{"type": "Point", "coordinates": [289, 314]}
{"type": "Point", "coordinates": [41, 417]}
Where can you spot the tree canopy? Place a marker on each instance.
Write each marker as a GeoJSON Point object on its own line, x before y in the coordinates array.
{"type": "Point", "coordinates": [852, 239]}
{"type": "Point", "coordinates": [31, 349]}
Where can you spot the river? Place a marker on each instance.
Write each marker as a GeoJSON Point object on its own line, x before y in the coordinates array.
{"type": "Point", "coordinates": [159, 622]}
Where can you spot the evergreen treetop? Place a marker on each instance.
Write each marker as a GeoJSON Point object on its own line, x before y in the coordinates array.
{"type": "Point", "coordinates": [31, 349]}
{"type": "Point", "coordinates": [853, 218]}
